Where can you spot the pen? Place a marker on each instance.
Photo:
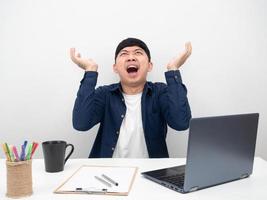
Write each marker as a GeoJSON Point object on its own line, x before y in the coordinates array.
{"type": "Point", "coordinates": [103, 181]}
{"type": "Point", "coordinates": [110, 180]}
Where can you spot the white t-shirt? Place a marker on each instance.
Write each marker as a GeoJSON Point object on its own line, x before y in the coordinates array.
{"type": "Point", "coordinates": [131, 142]}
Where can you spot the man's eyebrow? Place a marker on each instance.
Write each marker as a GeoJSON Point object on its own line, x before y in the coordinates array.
{"type": "Point", "coordinates": [124, 50]}
{"type": "Point", "coordinates": [138, 49]}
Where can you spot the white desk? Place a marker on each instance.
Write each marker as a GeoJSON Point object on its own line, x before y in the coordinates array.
{"type": "Point", "coordinates": [44, 183]}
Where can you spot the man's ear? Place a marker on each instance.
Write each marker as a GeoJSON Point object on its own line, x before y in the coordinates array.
{"type": "Point", "coordinates": [150, 66]}
{"type": "Point", "coordinates": [115, 68]}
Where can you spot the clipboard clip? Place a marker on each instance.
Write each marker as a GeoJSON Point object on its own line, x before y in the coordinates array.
{"type": "Point", "coordinates": [92, 190]}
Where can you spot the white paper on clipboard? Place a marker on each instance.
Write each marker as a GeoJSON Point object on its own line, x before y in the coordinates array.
{"type": "Point", "coordinates": [84, 177]}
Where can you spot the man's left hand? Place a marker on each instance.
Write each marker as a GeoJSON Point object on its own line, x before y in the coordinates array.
{"type": "Point", "coordinates": [177, 62]}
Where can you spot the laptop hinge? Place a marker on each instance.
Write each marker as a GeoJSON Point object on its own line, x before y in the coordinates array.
{"type": "Point", "coordinates": [193, 188]}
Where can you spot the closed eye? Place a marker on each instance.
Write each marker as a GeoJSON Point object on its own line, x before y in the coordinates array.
{"type": "Point", "coordinates": [139, 53]}
{"type": "Point", "coordinates": [123, 54]}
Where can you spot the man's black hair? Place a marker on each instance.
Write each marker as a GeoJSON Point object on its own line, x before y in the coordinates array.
{"type": "Point", "coordinates": [129, 42]}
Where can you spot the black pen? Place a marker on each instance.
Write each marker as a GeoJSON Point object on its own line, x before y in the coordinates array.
{"type": "Point", "coordinates": [103, 181]}
{"type": "Point", "coordinates": [110, 180]}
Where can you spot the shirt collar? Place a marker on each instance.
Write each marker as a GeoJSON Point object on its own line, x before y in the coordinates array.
{"type": "Point", "coordinates": [117, 88]}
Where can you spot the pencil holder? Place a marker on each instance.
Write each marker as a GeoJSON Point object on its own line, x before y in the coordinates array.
{"type": "Point", "coordinates": [19, 179]}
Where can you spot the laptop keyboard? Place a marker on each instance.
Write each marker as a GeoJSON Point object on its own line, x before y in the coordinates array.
{"type": "Point", "coordinates": [177, 179]}
{"type": "Point", "coordinates": [172, 177]}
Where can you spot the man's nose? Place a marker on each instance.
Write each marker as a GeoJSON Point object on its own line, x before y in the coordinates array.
{"type": "Point", "coordinates": [131, 57]}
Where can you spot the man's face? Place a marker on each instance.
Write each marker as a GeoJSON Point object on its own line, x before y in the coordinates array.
{"type": "Point", "coordinates": [132, 65]}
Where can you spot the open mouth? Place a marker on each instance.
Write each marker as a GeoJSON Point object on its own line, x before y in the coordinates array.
{"type": "Point", "coordinates": [132, 69]}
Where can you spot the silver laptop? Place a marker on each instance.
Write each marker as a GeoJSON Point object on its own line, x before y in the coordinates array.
{"type": "Point", "coordinates": [220, 149]}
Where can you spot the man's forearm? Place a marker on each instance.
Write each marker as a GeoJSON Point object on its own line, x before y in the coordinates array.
{"type": "Point", "coordinates": [177, 112]}
{"type": "Point", "coordinates": [83, 111]}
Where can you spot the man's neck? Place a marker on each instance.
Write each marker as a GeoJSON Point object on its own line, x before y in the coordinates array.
{"type": "Point", "coordinates": [132, 89]}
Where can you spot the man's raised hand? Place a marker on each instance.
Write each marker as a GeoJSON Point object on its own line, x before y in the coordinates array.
{"type": "Point", "coordinates": [177, 62]}
{"type": "Point", "coordinates": [84, 63]}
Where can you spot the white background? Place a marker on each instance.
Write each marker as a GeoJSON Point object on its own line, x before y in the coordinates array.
{"type": "Point", "coordinates": [226, 73]}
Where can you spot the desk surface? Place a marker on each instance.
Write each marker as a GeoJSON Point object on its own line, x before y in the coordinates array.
{"type": "Point", "coordinates": [45, 183]}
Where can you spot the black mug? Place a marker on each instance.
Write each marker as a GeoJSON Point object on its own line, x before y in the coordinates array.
{"type": "Point", "coordinates": [54, 155]}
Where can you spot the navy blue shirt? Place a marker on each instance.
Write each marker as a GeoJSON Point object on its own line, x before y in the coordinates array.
{"type": "Point", "coordinates": [161, 104]}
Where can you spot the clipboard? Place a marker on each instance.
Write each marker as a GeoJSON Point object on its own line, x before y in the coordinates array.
{"type": "Point", "coordinates": [85, 178]}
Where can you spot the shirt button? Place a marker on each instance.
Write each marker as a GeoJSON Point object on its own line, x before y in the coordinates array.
{"type": "Point", "coordinates": [117, 132]}
{"type": "Point", "coordinates": [122, 116]}
{"type": "Point", "coordinates": [175, 77]}
{"type": "Point", "coordinates": [112, 148]}
{"type": "Point", "coordinates": [122, 99]}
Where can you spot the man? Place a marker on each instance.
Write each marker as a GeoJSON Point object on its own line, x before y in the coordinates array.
{"type": "Point", "coordinates": [134, 113]}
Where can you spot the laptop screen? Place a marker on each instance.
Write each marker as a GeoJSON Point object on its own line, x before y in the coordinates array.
{"type": "Point", "coordinates": [220, 149]}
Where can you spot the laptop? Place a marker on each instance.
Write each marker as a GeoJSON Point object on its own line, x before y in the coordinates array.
{"type": "Point", "coordinates": [220, 149]}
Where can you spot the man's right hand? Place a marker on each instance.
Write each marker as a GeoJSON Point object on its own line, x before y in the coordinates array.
{"type": "Point", "coordinates": [84, 63]}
